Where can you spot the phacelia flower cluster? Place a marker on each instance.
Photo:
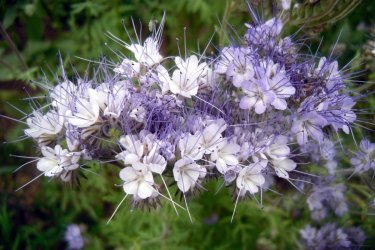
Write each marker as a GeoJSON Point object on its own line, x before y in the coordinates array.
{"type": "Point", "coordinates": [330, 236]}
{"type": "Point", "coordinates": [247, 116]}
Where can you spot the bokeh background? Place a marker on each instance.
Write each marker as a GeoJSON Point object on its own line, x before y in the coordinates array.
{"type": "Point", "coordinates": [32, 36]}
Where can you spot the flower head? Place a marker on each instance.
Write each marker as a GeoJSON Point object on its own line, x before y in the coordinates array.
{"type": "Point", "coordinates": [58, 162]}
{"type": "Point", "coordinates": [250, 178]}
{"type": "Point", "coordinates": [148, 54]}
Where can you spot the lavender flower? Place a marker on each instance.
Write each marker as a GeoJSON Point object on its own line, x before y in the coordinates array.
{"type": "Point", "coordinates": [323, 153]}
{"type": "Point", "coordinates": [364, 159]}
{"type": "Point", "coordinates": [73, 237]}
{"type": "Point", "coordinates": [327, 197]}
{"type": "Point", "coordinates": [330, 236]}
{"type": "Point", "coordinates": [241, 116]}
{"type": "Point", "coordinates": [263, 35]}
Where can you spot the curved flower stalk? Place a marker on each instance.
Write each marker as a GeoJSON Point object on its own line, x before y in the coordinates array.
{"type": "Point", "coordinates": [247, 116]}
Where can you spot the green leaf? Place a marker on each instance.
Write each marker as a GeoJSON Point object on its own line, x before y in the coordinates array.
{"type": "Point", "coordinates": [9, 17]}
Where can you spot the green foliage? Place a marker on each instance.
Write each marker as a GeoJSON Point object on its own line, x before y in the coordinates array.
{"type": "Point", "coordinates": [314, 15]}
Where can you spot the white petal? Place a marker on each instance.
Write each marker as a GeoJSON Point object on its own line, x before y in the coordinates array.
{"type": "Point", "coordinates": [145, 190]}
{"type": "Point", "coordinates": [251, 187]}
{"type": "Point", "coordinates": [279, 104]}
{"type": "Point", "coordinates": [210, 132]}
{"type": "Point", "coordinates": [260, 107]}
{"type": "Point", "coordinates": [277, 151]}
{"type": "Point", "coordinates": [282, 173]}
{"type": "Point", "coordinates": [247, 102]}
{"type": "Point", "coordinates": [131, 187]}
{"type": "Point", "coordinates": [315, 133]}
{"type": "Point", "coordinates": [257, 179]}
{"type": "Point", "coordinates": [221, 166]}
{"type": "Point", "coordinates": [80, 122]}
{"type": "Point", "coordinates": [286, 164]}
{"type": "Point", "coordinates": [185, 183]}
{"type": "Point", "coordinates": [174, 85]}
{"type": "Point", "coordinates": [231, 148]}
{"type": "Point", "coordinates": [202, 172]}
{"type": "Point", "coordinates": [302, 137]}
{"type": "Point", "coordinates": [46, 164]}
{"type": "Point", "coordinates": [48, 152]}
{"type": "Point", "coordinates": [230, 159]}
{"type": "Point", "coordinates": [131, 158]}
{"type": "Point", "coordinates": [128, 174]}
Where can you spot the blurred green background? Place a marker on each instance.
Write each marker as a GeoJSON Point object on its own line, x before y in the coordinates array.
{"type": "Point", "coordinates": [32, 35]}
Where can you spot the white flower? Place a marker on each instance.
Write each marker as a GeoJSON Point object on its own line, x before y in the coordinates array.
{"type": "Point", "coordinates": [128, 68]}
{"type": "Point", "coordinates": [207, 82]}
{"type": "Point", "coordinates": [190, 146]}
{"type": "Point", "coordinates": [164, 78]}
{"type": "Point", "coordinates": [112, 100]}
{"type": "Point", "coordinates": [235, 64]}
{"type": "Point", "coordinates": [138, 181]}
{"type": "Point", "coordinates": [270, 86]}
{"type": "Point", "coordinates": [45, 127]}
{"type": "Point", "coordinates": [241, 69]}
{"type": "Point", "coordinates": [58, 162]}
{"type": "Point", "coordinates": [133, 149]}
{"type": "Point", "coordinates": [226, 58]}
{"type": "Point", "coordinates": [257, 95]}
{"type": "Point", "coordinates": [185, 80]}
{"type": "Point", "coordinates": [279, 84]}
{"type": "Point", "coordinates": [283, 166]}
{"type": "Point", "coordinates": [87, 111]}
{"type": "Point", "coordinates": [186, 173]}
{"type": "Point", "coordinates": [278, 152]}
{"type": "Point", "coordinates": [155, 162]}
{"type": "Point", "coordinates": [181, 84]}
{"type": "Point", "coordinates": [279, 149]}
{"type": "Point", "coordinates": [191, 66]}
{"type": "Point", "coordinates": [308, 124]}
{"type": "Point", "coordinates": [148, 54]}
{"type": "Point", "coordinates": [62, 96]}
{"type": "Point", "coordinates": [142, 151]}
{"type": "Point", "coordinates": [250, 178]}
{"type": "Point", "coordinates": [212, 137]}
{"type": "Point", "coordinates": [225, 156]}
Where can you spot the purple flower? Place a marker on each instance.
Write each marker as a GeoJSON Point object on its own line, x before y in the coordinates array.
{"type": "Point", "coordinates": [263, 35]}
{"type": "Point", "coordinates": [269, 86]}
{"type": "Point", "coordinates": [247, 115]}
{"type": "Point", "coordinates": [73, 237]}
{"type": "Point", "coordinates": [327, 197]}
{"type": "Point", "coordinates": [364, 159]}
{"type": "Point", "coordinates": [257, 95]}
{"type": "Point", "coordinates": [308, 124]}
{"type": "Point", "coordinates": [236, 64]}
{"type": "Point", "coordinates": [330, 236]}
